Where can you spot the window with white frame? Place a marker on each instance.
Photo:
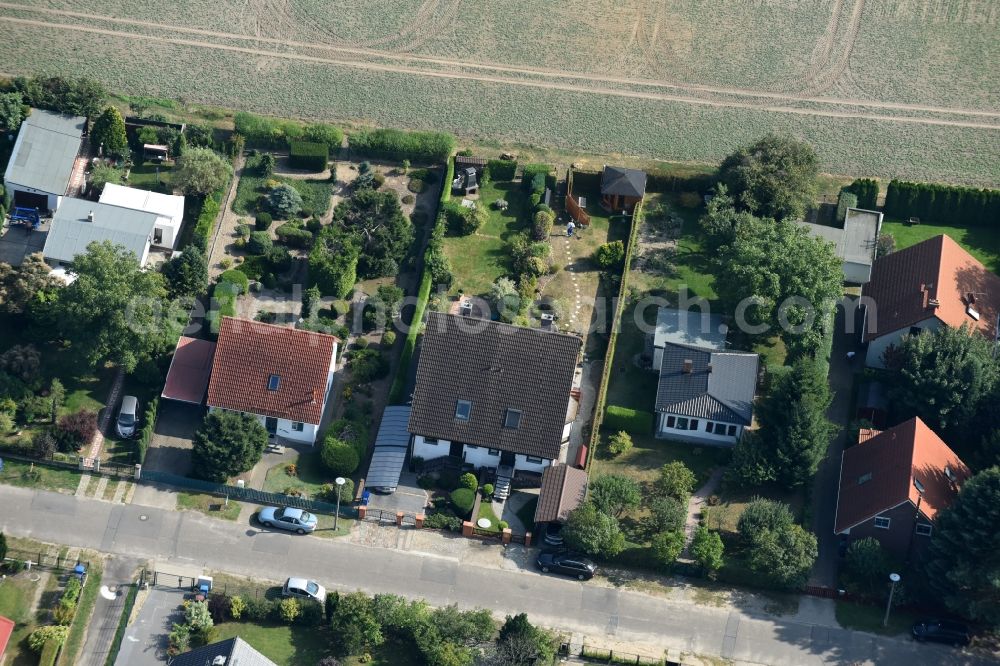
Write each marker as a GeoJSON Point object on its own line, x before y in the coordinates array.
{"type": "Point", "coordinates": [682, 423]}
{"type": "Point", "coordinates": [494, 452]}
{"type": "Point", "coordinates": [732, 431]}
{"type": "Point", "coordinates": [431, 440]}
{"type": "Point", "coordinates": [671, 421]}
{"type": "Point", "coordinates": [882, 523]}
{"type": "Point", "coordinates": [923, 529]}
{"type": "Point", "coordinates": [298, 427]}
{"type": "Point", "coordinates": [533, 459]}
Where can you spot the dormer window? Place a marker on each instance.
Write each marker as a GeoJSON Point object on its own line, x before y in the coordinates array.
{"type": "Point", "coordinates": [273, 382]}
{"type": "Point", "coordinates": [463, 410]}
{"type": "Point", "coordinates": [512, 419]}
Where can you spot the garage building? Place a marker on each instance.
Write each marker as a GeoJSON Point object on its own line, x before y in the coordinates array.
{"type": "Point", "coordinates": [41, 165]}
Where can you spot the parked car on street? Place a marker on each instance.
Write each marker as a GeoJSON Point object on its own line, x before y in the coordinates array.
{"type": "Point", "coordinates": [941, 631]}
{"type": "Point", "coordinates": [293, 520]}
{"type": "Point", "coordinates": [567, 563]}
{"type": "Point", "coordinates": [125, 425]}
{"type": "Point", "coordinates": [303, 588]}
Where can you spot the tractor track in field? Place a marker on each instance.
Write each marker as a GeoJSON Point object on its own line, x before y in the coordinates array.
{"type": "Point", "coordinates": [353, 57]}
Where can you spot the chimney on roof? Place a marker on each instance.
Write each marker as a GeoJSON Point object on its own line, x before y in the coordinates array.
{"type": "Point", "coordinates": [315, 396]}
{"type": "Point", "coordinates": [90, 216]}
{"type": "Point", "coordinates": [934, 303]}
{"type": "Point", "coordinates": [688, 366]}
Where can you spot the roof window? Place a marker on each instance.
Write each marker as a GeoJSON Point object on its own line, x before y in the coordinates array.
{"type": "Point", "coordinates": [273, 382]}
{"type": "Point", "coordinates": [864, 478]}
{"type": "Point", "coordinates": [512, 419]}
{"type": "Point", "coordinates": [463, 410]}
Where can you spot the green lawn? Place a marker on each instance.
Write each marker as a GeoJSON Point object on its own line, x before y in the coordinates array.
{"type": "Point", "coordinates": [18, 473]}
{"type": "Point", "coordinates": [324, 528]}
{"type": "Point", "coordinates": [143, 176]}
{"type": "Point", "coordinates": [85, 608]}
{"type": "Point", "coordinates": [631, 386]}
{"type": "Point", "coordinates": [16, 596]}
{"type": "Point", "coordinates": [648, 455]}
{"type": "Point", "coordinates": [315, 193]}
{"type": "Point", "coordinates": [862, 617]}
{"type": "Point", "coordinates": [310, 476]}
{"type": "Point", "coordinates": [391, 653]}
{"type": "Point", "coordinates": [486, 511]}
{"type": "Point", "coordinates": [210, 505]}
{"type": "Point", "coordinates": [284, 645]}
{"type": "Point", "coordinates": [983, 243]}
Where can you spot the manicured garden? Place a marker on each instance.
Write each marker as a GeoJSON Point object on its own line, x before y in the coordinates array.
{"type": "Point", "coordinates": [983, 243]}
{"type": "Point", "coordinates": [254, 184]}
{"type": "Point", "coordinates": [155, 176]}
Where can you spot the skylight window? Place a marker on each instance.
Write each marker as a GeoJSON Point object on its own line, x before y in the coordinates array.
{"type": "Point", "coordinates": [273, 382]}
{"type": "Point", "coordinates": [463, 410]}
{"type": "Point", "coordinates": [864, 478]}
{"type": "Point", "coordinates": [512, 419]}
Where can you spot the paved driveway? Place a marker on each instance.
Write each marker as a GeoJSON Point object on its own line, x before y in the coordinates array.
{"type": "Point", "coordinates": [17, 243]}
{"type": "Point", "coordinates": [145, 640]}
{"type": "Point", "coordinates": [170, 448]}
{"type": "Point", "coordinates": [408, 498]}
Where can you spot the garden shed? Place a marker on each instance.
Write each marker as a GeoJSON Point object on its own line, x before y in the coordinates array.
{"type": "Point", "coordinates": [621, 188]}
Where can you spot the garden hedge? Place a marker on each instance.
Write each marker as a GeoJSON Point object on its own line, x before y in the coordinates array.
{"type": "Point", "coordinates": [866, 190]}
{"type": "Point", "coordinates": [943, 204]}
{"type": "Point", "coordinates": [205, 224]}
{"type": "Point", "coordinates": [399, 145]}
{"type": "Point", "coordinates": [501, 169]}
{"type": "Point", "coordinates": [50, 652]}
{"type": "Point", "coordinates": [148, 425]}
{"type": "Point", "coordinates": [308, 155]}
{"type": "Point", "coordinates": [632, 421]}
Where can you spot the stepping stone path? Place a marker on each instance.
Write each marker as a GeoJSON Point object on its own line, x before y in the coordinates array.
{"type": "Point", "coordinates": [576, 284]}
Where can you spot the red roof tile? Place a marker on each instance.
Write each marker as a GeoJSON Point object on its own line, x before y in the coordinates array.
{"type": "Point", "coordinates": [906, 284]}
{"type": "Point", "coordinates": [6, 629]}
{"type": "Point", "coordinates": [249, 353]}
{"type": "Point", "coordinates": [190, 370]}
{"type": "Point", "coordinates": [878, 474]}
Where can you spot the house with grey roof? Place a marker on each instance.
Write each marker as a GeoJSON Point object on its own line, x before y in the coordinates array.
{"type": "Point", "coordinates": [705, 395]}
{"type": "Point", "coordinates": [691, 328]}
{"type": "Point", "coordinates": [491, 395]}
{"type": "Point", "coordinates": [854, 239]}
{"type": "Point", "coordinates": [40, 171]}
{"type": "Point", "coordinates": [230, 652]}
{"type": "Point", "coordinates": [621, 188]}
{"type": "Point", "coordinates": [79, 222]}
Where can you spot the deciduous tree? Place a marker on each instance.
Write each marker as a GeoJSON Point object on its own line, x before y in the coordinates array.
{"type": "Point", "coordinates": [227, 444]}
{"type": "Point", "coordinates": [187, 273]}
{"type": "Point", "coordinates": [773, 177]}
{"type": "Point", "coordinates": [201, 170]}
{"type": "Point", "coordinates": [707, 549]}
{"type": "Point", "coordinates": [784, 557]}
{"type": "Point", "coordinates": [761, 515]}
{"type": "Point", "coordinates": [12, 111]}
{"type": "Point", "coordinates": [593, 532]}
{"type": "Point", "coordinates": [355, 628]}
{"type": "Point", "coordinates": [676, 481]}
{"type": "Point", "coordinates": [615, 494]}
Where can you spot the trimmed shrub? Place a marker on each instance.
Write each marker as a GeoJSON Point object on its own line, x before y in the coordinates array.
{"type": "Point", "coordinates": [308, 155]}
{"type": "Point", "coordinates": [619, 443]}
{"type": "Point", "coordinates": [610, 255]}
{"type": "Point", "coordinates": [533, 177]}
{"type": "Point", "coordinates": [468, 480]}
{"type": "Point", "coordinates": [263, 221]}
{"type": "Point", "coordinates": [399, 145]}
{"type": "Point", "coordinates": [443, 521]}
{"type": "Point", "coordinates": [543, 224]}
{"type": "Point", "coordinates": [488, 490]}
{"type": "Point", "coordinates": [236, 278]}
{"type": "Point", "coordinates": [501, 169]}
{"type": "Point", "coordinates": [845, 200]}
{"type": "Point", "coordinates": [330, 135]}
{"type": "Point", "coordinates": [285, 201]}
{"type": "Point", "coordinates": [388, 339]}
{"type": "Point", "coordinates": [289, 610]}
{"type": "Point", "coordinates": [866, 190]}
{"type": "Point", "coordinates": [293, 235]}
{"type": "Point", "coordinates": [339, 457]}
{"type": "Point", "coordinates": [629, 420]}
{"type": "Point", "coordinates": [260, 243]}
{"type": "Point", "coordinates": [39, 637]}
{"type": "Point", "coordinates": [79, 427]}
{"type": "Point", "coordinates": [950, 204]}
{"type": "Point", "coordinates": [463, 499]}
{"type": "Point", "coordinates": [205, 224]}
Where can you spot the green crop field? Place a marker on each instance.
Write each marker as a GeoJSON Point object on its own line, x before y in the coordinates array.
{"type": "Point", "coordinates": [881, 87]}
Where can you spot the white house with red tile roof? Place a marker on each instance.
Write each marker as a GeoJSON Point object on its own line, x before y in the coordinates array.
{"type": "Point", "coordinates": [931, 284]}
{"type": "Point", "coordinates": [281, 375]}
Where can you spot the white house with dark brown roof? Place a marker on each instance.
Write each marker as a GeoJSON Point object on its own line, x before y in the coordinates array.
{"type": "Point", "coordinates": [931, 284]}
{"type": "Point", "coordinates": [280, 375]}
{"type": "Point", "coordinates": [493, 395]}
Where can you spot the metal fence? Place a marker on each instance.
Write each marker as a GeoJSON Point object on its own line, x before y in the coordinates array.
{"type": "Point", "coordinates": [74, 462]}
{"type": "Point", "coordinates": [43, 560]}
{"type": "Point", "coordinates": [606, 656]}
{"type": "Point", "coordinates": [251, 495]}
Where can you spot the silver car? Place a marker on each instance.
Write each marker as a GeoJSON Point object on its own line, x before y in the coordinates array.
{"type": "Point", "coordinates": [125, 425]}
{"type": "Point", "coordinates": [293, 520]}
{"type": "Point", "coordinates": [302, 588]}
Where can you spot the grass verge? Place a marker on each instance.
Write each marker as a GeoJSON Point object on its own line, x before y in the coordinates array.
{"type": "Point", "coordinates": [85, 608]}
{"type": "Point", "coordinates": [861, 617]}
{"type": "Point", "coordinates": [29, 475]}
{"type": "Point", "coordinates": [210, 505]}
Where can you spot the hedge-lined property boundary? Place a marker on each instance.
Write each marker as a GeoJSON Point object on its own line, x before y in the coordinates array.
{"type": "Point", "coordinates": [148, 426]}
{"type": "Point", "coordinates": [308, 155]}
{"type": "Point", "coordinates": [609, 357]}
{"type": "Point", "coordinates": [946, 204]}
{"type": "Point", "coordinates": [629, 420]}
{"type": "Point", "coordinates": [423, 295]}
{"type": "Point", "coordinates": [398, 145]}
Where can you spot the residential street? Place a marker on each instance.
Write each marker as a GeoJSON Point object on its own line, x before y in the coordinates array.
{"type": "Point", "coordinates": [604, 613]}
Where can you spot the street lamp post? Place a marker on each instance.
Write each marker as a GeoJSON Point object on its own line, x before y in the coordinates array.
{"type": "Point", "coordinates": [894, 577]}
{"type": "Point", "coordinates": [340, 481]}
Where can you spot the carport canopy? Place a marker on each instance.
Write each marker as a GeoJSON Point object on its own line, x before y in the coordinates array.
{"type": "Point", "coordinates": [190, 370]}
{"type": "Point", "coordinates": [390, 449]}
{"type": "Point", "coordinates": [564, 488]}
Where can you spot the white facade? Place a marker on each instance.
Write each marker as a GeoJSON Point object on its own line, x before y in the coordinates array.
{"type": "Point", "coordinates": [478, 456]}
{"type": "Point", "coordinates": [53, 199]}
{"type": "Point", "coordinates": [873, 357]}
{"type": "Point", "coordinates": [857, 273]}
{"type": "Point", "coordinates": [677, 426]}
{"type": "Point", "coordinates": [168, 208]}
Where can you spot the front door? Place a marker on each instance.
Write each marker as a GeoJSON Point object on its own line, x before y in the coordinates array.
{"type": "Point", "coordinates": [456, 449]}
{"type": "Point", "coordinates": [271, 424]}
{"type": "Point", "coordinates": [506, 459]}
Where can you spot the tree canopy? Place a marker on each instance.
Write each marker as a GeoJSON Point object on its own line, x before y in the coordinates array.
{"type": "Point", "coordinates": [115, 311]}
{"type": "Point", "coordinates": [773, 177]}
{"type": "Point", "coordinates": [227, 444]}
{"type": "Point", "coordinates": [29, 282]}
{"type": "Point", "coordinates": [76, 96]}
{"type": "Point", "coordinates": [963, 560]}
{"type": "Point", "coordinates": [12, 111]}
{"type": "Point", "coordinates": [676, 481]}
{"type": "Point", "coordinates": [355, 626]}
{"type": "Point", "coordinates": [941, 376]}
{"type": "Point", "coordinates": [383, 232]}
{"type": "Point", "coordinates": [201, 170]}
{"type": "Point", "coordinates": [593, 532]}
{"type": "Point", "coordinates": [102, 174]}
{"type": "Point", "coordinates": [784, 557]}
{"type": "Point", "coordinates": [615, 494]}
{"type": "Point", "coordinates": [187, 273]}
{"type": "Point", "coordinates": [109, 131]}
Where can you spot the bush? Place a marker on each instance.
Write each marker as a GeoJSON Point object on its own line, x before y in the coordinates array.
{"type": "Point", "coordinates": [463, 499]}
{"type": "Point", "coordinates": [408, 199]}
{"type": "Point", "coordinates": [866, 190]}
{"type": "Point", "coordinates": [40, 636]}
{"type": "Point", "coordinates": [78, 428]}
{"type": "Point", "coordinates": [619, 443]}
{"type": "Point", "coordinates": [289, 610]}
{"type": "Point", "coordinates": [236, 278]}
{"type": "Point", "coordinates": [488, 490]}
{"type": "Point", "coordinates": [543, 224]}
{"type": "Point", "coordinates": [667, 514]}
{"type": "Point", "coordinates": [262, 223]}
{"type": "Point", "coordinates": [630, 420]}
{"type": "Point", "coordinates": [308, 155]}
{"type": "Point", "coordinates": [463, 221]}
{"type": "Point", "coordinates": [368, 365]}
{"type": "Point", "coordinates": [310, 615]}
{"type": "Point", "coordinates": [257, 610]}
{"type": "Point", "coordinates": [610, 255]}
{"type": "Point", "coordinates": [762, 515]}
{"type": "Point", "coordinates": [501, 169]}
{"type": "Point", "coordinates": [205, 224]}
{"type": "Point", "coordinates": [676, 481]}
{"type": "Point", "coordinates": [293, 235]}
{"type": "Point", "coordinates": [468, 480]}
{"type": "Point", "coordinates": [237, 607]}
{"type": "Point", "coordinates": [260, 243]}
{"type": "Point", "coordinates": [285, 201]}
{"type": "Point", "coordinates": [339, 457]}
{"type": "Point", "coordinates": [845, 200]}
{"type": "Point", "coordinates": [443, 521]}
{"type": "Point", "coordinates": [388, 339]}
{"type": "Point", "coordinates": [667, 546]}
{"type": "Point", "coordinates": [399, 145]}
{"type": "Point", "coordinates": [533, 177]}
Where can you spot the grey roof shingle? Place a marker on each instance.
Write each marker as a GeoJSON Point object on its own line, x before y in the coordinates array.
{"type": "Point", "coordinates": [725, 393]}
{"type": "Point", "coordinates": [72, 232]}
{"type": "Point", "coordinates": [236, 651]}
{"type": "Point", "coordinates": [622, 181]}
{"type": "Point", "coordinates": [689, 327]}
{"type": "Point", "coordinates": [45, 151]}
{"type": "Point", "coordinates": [495, 367]}
{"type": "Point", "coordinates": [391, 445]}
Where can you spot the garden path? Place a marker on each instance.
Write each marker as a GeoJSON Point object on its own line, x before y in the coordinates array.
{"type": "Point", "coordinates": [225, 228]}
{"type": "Point", "coordinates": [697, 502]}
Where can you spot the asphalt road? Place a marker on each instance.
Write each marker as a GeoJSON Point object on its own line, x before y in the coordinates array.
{"type": "Point", "coordinates": [626, 616]}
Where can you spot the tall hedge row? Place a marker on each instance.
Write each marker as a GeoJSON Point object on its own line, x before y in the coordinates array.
{"type": "Point", "coordinates": [148, 426]}
{"type": "Point", "coordinates": [500, 170]}
{"type": "Point", "coordinates": [944, 204]}
{"type": "Point", "coordinates": [630, 420]}
{"type": "Point", "coordinates": [308, 155]}
{"type": "Point", "coordinates": [866, 190]}
{"type": "Point", "coordinates": [398, 145]}
{"type": "Point", "coordinates": [205, 224]}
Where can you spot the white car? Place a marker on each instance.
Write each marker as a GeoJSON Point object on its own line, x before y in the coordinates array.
{"type": "Point", "coordinates": [302, 588]}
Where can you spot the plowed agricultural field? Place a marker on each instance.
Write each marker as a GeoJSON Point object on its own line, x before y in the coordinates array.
{"type": "Point", "coordinates": [881, 87]}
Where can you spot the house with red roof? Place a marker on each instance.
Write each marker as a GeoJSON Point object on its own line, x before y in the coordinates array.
{"type": "Point", "coordinates": [6, 630]}
{"type": "Point", "coordinates": [924, 287]}
{"type": "Point", "coordinates": [280, 375]}
{"type": "Point", "coordinates": [893, 484]}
